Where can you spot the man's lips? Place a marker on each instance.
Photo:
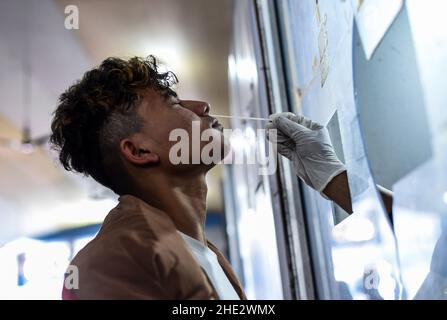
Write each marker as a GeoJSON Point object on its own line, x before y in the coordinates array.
{"type": "Point", "coordinates": [215, 124]}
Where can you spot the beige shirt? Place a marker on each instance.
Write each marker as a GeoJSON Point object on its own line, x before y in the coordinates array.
{"type": "Point", "coordinates": [138, 254]}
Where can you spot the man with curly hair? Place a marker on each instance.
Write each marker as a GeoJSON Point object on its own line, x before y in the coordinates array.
{"type": "Point", "coordinates": [114, 126]}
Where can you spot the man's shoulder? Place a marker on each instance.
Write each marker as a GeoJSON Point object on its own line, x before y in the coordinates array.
{"type": "Point", "coordinates": [130, 228]}
{"type": "Point", "coordinates": [132, 213]}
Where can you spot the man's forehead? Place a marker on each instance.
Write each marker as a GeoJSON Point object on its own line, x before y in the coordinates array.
{"type": "Point", "coordinates": [152, 98]}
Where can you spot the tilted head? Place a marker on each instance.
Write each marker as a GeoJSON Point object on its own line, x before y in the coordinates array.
{"type": "Point", "coordinates": [115, 122]}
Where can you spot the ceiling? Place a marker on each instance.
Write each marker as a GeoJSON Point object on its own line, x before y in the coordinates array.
{"type": "Point", "coordinates": [191, 36]}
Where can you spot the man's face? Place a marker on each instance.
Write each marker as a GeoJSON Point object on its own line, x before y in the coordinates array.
{"type": "Point", "coordinates": [164, 113]}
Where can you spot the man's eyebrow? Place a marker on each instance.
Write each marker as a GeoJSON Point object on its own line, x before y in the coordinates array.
{"type": "Point", "coordinates": [169, 93]}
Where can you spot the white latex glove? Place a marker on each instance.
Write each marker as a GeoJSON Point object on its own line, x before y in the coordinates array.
{"type": "Point", "coordinates": [307, 144]}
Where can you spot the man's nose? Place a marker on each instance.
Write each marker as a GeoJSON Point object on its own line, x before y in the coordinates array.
{"type": "Point", "coordinates": [200, 108]}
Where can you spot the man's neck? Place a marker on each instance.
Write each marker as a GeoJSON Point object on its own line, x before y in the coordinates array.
{"type": "Point", "coordinates": [182, 198]}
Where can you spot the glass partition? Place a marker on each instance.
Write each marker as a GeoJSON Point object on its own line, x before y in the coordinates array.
{"type": "Point", "coordinates": [355, 257]}
{"type": "Point", "coordinates": [420, 197]}
{"type": "Point", "coordinates": [253, 220]}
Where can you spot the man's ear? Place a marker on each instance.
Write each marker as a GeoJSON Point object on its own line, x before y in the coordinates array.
{"type": "Point", "coordinates": [136, 154]}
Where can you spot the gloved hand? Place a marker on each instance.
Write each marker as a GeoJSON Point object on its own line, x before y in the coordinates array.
{"type": "Point", "coordinates": [307, 144]}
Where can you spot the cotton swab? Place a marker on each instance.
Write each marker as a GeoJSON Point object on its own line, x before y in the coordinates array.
{"type": "Point", "coordinates": [239, 117]}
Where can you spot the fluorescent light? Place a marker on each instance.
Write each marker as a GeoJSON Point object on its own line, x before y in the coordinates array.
{"type": "Point", "coordinates": [171, 54]}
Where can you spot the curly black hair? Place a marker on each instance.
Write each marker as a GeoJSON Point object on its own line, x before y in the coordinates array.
{"type": "Point", "coordinates": [98, 111]}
